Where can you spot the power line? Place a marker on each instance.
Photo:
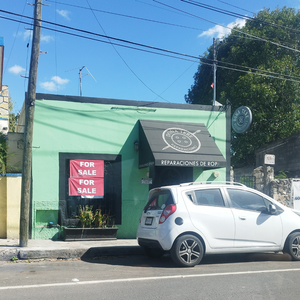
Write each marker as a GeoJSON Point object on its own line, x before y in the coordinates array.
{"type": "Point", "coordinates": [14, 41]}
{"type": "Point", "coordinates": [126, 16]}
{"type": "Point", "coordinates": [167, 53]}
{"type": "Point", "coordinates": [233, 29]}
{"type": "Point", "coordinates": [123, 58]}
{"type": "Point", "coordinates": [234, 14]}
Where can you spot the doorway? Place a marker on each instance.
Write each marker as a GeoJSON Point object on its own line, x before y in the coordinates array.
{"type": "Point", "coordinates": [162, 176]}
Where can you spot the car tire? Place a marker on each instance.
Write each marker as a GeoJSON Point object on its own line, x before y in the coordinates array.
{"type": "Point", "coordinates": [187, 251]}
{"type": "Point", "coordinates": [292, 246]}
{"type": "Point", "coordinates": [153, 252]}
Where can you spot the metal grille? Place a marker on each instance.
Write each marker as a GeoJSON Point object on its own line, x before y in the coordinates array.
{"type": "Point", "coordinates": [248, 180]}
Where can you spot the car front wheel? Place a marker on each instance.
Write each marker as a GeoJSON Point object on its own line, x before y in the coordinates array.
{"type": "Point", "coordinates": [293, 246]}
{"type": "Point", "coordinates": [187, 251]}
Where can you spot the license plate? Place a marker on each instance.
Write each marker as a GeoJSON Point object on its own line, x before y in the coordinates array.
{"type": "Point", "coordinates": [148, 221]}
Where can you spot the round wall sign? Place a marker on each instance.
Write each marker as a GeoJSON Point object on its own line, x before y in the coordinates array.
{"type": "Point", "coordinates": [241, 119]}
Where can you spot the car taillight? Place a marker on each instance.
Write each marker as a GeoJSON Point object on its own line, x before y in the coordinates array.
{"type": "Point", "coordinates": [170, 209]}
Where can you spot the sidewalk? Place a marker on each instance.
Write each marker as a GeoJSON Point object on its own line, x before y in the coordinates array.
{"type": "Point", "coordinates": [42, 249]}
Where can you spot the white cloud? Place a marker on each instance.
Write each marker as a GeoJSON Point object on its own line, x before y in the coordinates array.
{"type": "Point", "coordinates": [47, 38]}
{"type": "Point", "coordinates": [55, 84]}
{"type": "Point", "coordinates": [27, 34]}
{"type": "Point", "coordinates": [59, 80]}
{"type": "Point", "coordinates": [16, 69]}
{"type": "Point", "coordinates": [220, 31]}
{"type": "Point", "coordinates": [49, 86]}
{"type": "Point", "coordinates": [63, 13]}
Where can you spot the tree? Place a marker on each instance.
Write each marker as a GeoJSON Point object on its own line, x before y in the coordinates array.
{"type": "Point", "coordinates": [3, 153]}
{"type": "Point", "coordinates": [273, 99]}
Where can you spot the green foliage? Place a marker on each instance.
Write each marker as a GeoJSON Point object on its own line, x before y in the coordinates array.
{"type": "Point", "coordinates": [282, 175]}
{"type": "Point", "coordinates": [3, 153]}
{"type": "Point", "coordinates": [14, 258]}
{"type": "Point", "coordinates": [13, 120]}
{"type": "Point", "coordinates": [274, 102]}
{"type": "Point", "coordinates": [90, 218]}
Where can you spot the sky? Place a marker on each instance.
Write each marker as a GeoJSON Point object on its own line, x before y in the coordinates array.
{"type": "Point", "coordinates": [75, 42]}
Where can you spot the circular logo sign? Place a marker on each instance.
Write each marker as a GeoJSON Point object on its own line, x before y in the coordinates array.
{"type": "Point", "coordinates": [241, 119]}
{"type": "Point", "coordinates": [181, 140]}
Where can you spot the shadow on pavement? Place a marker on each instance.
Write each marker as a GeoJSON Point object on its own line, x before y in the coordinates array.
{"type": "Point", "coordinates": [166, 261]}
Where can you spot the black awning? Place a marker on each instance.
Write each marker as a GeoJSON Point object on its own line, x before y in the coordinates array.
{"type": "Point", "coordinates": [177, 144]}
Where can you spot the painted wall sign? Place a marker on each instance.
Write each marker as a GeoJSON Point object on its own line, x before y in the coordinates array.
{"type": "Point", "coordinates": [181, 140]}
{"type": "Point", "coordinates": [188, 163]}
{"type": "Point", "coordinates": [296, 193]}
{"type": "Point", "coordinates": [241, 119]}
{"type": "Point", "coordinates": [146, 180]}
{"type": "Point", "coordinates": [86, 168]}
{"type": "Point", "coordinates": [86, 186]}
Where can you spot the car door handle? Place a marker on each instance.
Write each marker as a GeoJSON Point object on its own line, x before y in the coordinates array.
{"type": "Point", "coordinates": [242, 217]}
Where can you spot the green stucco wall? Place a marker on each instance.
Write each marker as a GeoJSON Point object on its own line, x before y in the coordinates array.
{"type": "Point", "coordinates": [71, 127]}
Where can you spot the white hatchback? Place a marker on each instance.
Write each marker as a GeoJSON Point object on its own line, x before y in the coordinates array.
{"type": "Point", "coordinates": [191, 220]}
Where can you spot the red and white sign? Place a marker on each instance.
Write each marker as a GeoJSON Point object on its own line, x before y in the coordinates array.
{"type": "Point", "coordinates": [269, 159]}
{"type": "Point", "coordinates": [86, 186]}
{"type": "Point", "coordinates": [86, 168]}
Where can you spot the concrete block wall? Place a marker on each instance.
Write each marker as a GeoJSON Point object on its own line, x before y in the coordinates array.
{"type": "Point", "coordinates": [10, 203]}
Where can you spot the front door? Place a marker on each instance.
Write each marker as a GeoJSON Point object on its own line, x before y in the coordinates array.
{"type": "Point", "coordinates": [255, 226]}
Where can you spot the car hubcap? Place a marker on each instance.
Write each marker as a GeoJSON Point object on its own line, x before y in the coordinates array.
{"type": "Point", "coordinates": [296, 246]}
{"type": "Point", "coordinates": [189, 251]}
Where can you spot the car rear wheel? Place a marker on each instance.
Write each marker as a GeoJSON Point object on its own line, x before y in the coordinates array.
{"type": "Point", "coordinates": [187, 251]}
{"type": "Point", "coordinates": [292, 246]}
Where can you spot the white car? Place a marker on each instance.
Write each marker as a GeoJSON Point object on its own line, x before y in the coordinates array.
{"type": "Point", "coordinates": [191, 220]}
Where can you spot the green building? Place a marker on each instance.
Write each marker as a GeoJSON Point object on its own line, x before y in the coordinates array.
{"type": "Point", "coordinates": [120, 149]}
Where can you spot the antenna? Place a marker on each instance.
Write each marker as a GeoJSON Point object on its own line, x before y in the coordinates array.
{"type": "Point", "coordinates": [80, 77]}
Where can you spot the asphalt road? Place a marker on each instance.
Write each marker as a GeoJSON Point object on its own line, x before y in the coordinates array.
{"type": "Point", "coordinates": [261, 276]}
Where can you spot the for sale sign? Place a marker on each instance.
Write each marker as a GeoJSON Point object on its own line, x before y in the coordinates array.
{"type": "Point", "coordinates": [86, 168]}
{"type": "Point", "coordinates": [86, 186]}
{"type": "Point", "coordinates": [86, 177]}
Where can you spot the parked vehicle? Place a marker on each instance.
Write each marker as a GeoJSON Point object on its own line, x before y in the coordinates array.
{"type": "Point", "coordinates": [195, 219]}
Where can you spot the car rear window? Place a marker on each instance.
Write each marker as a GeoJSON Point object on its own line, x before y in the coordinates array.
{"type": "Point", "coordinates": [159, 200]}
{"type": "Point", "coordinates": [210, 197]}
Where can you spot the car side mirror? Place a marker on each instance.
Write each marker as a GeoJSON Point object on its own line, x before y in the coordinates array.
{"type": "Point", "coordinates": [272, 209]}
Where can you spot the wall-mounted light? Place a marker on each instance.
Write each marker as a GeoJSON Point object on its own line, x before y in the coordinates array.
{"type": "Point", "coordinates": [136, 146]}
{"type": "Point", "coordinates": [216, 174]}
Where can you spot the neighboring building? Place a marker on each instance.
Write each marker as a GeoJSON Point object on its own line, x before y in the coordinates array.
{"type": "Point", "coordinates": [4, 109]}
{"type": "Point", "coordinates": [108, 153]}
{"type": "Point", "coordinates": [287, 155]}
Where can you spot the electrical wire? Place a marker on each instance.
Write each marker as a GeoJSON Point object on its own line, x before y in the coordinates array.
{"type": "Point", "coordinates": [141, 45]}
{"type": "Point", "coordinates": [172, 54]}
{"type": "Point", "coordinates": [126, 64]}
{"type": "Point", "coordinates": [233, 29]}
{"type": "Point", "coordinates": [234, 14]}
{"type": "Point", "coordinates": [123, 15]}
{"type": "Point", "coordinates": [12, 47]}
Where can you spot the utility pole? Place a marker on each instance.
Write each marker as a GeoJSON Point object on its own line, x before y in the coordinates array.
{"type": "Point", "coordinates": [80, 81]}
{"type": "Point", "coordinates": [215, 72]}
{"type": "Point", "coordinates": [28, 132]}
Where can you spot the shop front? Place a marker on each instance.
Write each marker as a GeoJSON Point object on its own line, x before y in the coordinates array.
{"type": "Point", "coordinates": [108, 153]}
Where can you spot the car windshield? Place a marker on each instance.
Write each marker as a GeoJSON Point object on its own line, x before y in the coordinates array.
{"type": "Point", "coordinates": [159, 200]}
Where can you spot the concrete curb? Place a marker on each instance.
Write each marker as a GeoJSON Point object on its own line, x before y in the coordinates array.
{"type": "Point", "coordinates": [79, 253]}
{"type": "Point", "coordinates": [44, 249]}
